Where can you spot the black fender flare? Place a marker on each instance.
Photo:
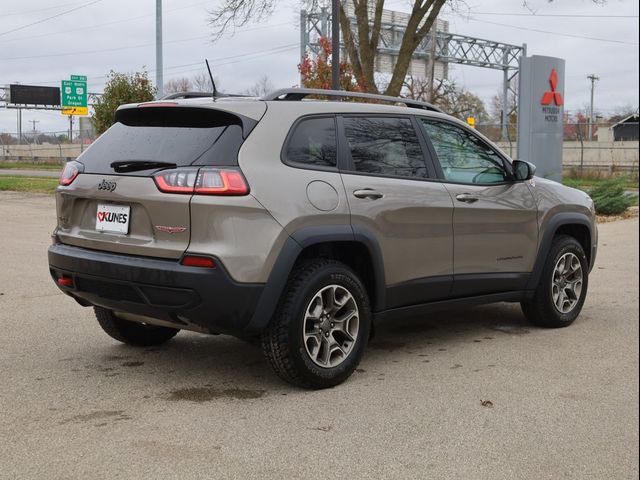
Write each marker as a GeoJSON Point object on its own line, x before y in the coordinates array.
{"type": "Point", "coordinates": [557, 221]}
{"type": "Point", "coordinates": [291, 250]}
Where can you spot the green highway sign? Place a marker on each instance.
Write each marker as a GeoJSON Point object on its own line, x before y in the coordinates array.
{"type": "Point", "coordinates": [74, 95]}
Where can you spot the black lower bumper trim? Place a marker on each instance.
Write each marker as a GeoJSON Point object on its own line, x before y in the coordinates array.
{"type": "Point", "coordinates": [207, 298]}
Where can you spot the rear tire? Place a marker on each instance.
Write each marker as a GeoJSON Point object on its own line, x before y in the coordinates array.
{"type": "Point", "coordinates": [562, 289]}
{"type": "Point", "coordinates": [319, 332]}
{"type": "Point", "coordinates": [132, 333]}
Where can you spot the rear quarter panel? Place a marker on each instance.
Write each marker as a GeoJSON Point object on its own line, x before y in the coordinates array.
{"type": "Point", "coordinates": [283, 189]}
{"type": "Point", "coordinates": [240, 232]}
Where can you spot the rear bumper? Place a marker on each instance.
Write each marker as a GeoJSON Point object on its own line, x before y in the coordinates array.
{"type": "Point", "coordinates": [194, 298]}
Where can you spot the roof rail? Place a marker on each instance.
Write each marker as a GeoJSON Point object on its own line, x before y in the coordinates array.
{"type": "Point", "coordinates": [179, 95]}
{"type": "Point", "coordinates": [297, 94]}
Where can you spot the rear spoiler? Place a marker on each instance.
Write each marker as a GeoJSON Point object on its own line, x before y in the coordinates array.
{"type": "Point", "coordinates": [167, 114]}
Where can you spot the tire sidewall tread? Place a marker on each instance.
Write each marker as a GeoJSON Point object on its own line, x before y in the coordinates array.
{"type": "Point", "coordinates": [540, 310]}
{"type": "Point", "coordinates": [283, 341]}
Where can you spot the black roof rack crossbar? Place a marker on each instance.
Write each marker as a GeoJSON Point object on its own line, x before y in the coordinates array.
{"type": "Point", "coordinates": [296, 94]}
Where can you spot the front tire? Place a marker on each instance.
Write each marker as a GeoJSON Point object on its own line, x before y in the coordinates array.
{"type": "Point", "coordinates": [321, 327]}
{"type": "Point", "coordinates": [132, 333]}
{"type": "Point", "coordinates": [560, 295]}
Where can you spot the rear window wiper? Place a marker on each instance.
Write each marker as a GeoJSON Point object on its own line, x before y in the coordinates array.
{"type": "Point", "coordinates": [137, 165]}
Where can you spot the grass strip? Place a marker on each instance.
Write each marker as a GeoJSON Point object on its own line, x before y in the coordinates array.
{"type": "Point", "coordinates": [28, 184]}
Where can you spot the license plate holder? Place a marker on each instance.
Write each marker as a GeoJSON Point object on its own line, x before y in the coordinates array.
{"type": "Point", "coordinates": [113, 218]}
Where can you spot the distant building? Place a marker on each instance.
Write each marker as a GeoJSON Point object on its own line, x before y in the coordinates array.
{"type": "Point", "coordinates": [626, 130]}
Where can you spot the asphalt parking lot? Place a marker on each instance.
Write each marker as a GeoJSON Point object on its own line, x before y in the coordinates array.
{"type": "Point", "coordinates": [557, 403]}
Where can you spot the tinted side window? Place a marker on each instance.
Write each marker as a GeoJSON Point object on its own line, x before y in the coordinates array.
{"type": "Point", "coordinates": [385, 146]}
{"type": "Point", "coordinates": [464, 158]}
{"type": "Point", "coordinates": [313, 142]}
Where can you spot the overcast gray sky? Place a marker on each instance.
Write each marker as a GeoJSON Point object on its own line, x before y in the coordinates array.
{"type": "Point", "coordinates": [120, 35]}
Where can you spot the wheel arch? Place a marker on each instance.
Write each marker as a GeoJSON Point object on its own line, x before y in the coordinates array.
{"type": "Point", "coordinates": [356, 247]}
{"type": "Point", "coordinates": [576, 225]}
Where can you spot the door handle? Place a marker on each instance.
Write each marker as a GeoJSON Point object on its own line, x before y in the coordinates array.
{"type": "Point", "coordinates": [367, 193]}
{"type": "Point", "coordinates": [466, 198]}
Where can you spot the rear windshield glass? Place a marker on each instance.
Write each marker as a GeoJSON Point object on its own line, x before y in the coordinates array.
{"type": "Point", "coordinates": [183, 136]}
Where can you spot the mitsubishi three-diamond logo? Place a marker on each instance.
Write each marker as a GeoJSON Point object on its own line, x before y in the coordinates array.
{"type": "Point", "coordinates": [552, 96]}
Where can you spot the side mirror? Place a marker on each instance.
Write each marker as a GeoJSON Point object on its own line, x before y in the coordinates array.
{"type": "Point", "coordinates": [523, 170]}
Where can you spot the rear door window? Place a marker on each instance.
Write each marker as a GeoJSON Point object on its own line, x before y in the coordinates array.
{"type": "Point", "coordinates": [183, 136]}
{"type": "Point", "coordinates": [385, 146]}
{"type": "Point", "coordinates": [313, 143]}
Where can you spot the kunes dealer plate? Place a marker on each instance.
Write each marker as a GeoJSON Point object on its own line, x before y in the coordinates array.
{"type": "Point", "coordinates": [113, 218]}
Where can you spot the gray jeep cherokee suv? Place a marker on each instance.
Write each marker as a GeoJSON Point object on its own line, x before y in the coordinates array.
{"type": "Point", "coordinates": [304, 222]}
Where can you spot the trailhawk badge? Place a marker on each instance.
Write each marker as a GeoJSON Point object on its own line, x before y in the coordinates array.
{"type": "Point", "coordinates": [165, 229]}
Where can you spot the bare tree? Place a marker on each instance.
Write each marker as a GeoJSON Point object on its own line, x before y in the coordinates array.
{"type": "Point", "coordinates": [496, 106]}
{"type": "Point", "coordinates": [622, 112]}
{"type": "Point", "coordinates": [177, 85]}
{"type": "Point", "coordinates": [199, 83]}
{"type": "Point", "coordinates": [417, 88]}
{"type": "Point", "coordinates": [202, 82]}
{"type": "Point", "coordinates": [237, 13]}
{"type": "Point", "coordinates": [361, 44]}
{"type": "Point", "coordinates": [261, 87]}
{"type": "Point", "coordinates": [447, 95]}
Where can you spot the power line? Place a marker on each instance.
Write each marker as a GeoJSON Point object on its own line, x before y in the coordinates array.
{"type": "Point", "coordinates": [129, 47]}
{"type": "Point", "coordinates": [103, 50]}
{"type": "Point", "coordinates": [98, 25]}
{"type": "Point", "coordinates": [253, 57]}
{"type": "Point", "coordinates": [39, 9]}
{"type": "Point", "coordinates": [265, 52]}
{"type": "Point", "coordinates": [560, 15]}
{"type": "Point", "coordinates": [49, 18]}
{"type": "Point", "coordinates": [552, 33]}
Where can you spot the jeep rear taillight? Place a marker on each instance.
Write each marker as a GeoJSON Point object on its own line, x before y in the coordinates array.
{"type": "Point", "coordinates": [179, 180]}
{"type": "Point", "coordinates": [221, 182]}
{"type": "Point", "coordinates": [202, 181]}
{"type": "Point", "coordinates": [71, 170]}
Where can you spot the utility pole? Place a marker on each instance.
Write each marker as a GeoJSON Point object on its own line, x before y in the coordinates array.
{"type": "Point", "coordinates": [504, 117]}
{"type": "Point", "coordinates": [19, 125]}
{"type": "Point", "coordinates": [335, 44]}
{"type": "Point", "coordinates": [593, 79]}
{"type": "Point", "coordinates": [159, 79]}
{"type": "Point", "coordinates": [33, 122]}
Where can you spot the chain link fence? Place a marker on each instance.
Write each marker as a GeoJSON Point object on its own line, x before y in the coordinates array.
{"type": "Point", "coordinates": [44, 147]}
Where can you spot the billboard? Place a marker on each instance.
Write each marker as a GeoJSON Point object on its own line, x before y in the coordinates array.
{"type": "Point", "coordinates": [34, 95]}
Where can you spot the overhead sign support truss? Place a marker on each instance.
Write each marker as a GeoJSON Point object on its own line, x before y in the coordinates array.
{"type": "Point", "coordinates": [445, 47]}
